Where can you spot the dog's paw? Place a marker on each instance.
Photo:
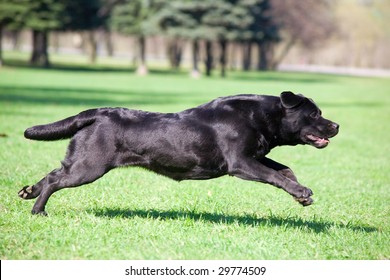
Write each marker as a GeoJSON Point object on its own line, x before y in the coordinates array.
{"type": "Point", "coordinates": [26, 192]}
{"type": "Point", "coordinates": [305, 197]}
{"type": "Point", "coordinates": [305, 201]}
{"type": "Point", "coordinates": [39, 213]}
{"type": "Point", "coordinates": [307, 192]}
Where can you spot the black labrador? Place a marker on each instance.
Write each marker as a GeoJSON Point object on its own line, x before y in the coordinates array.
{"type": "Point", "coordinates": [229, 135]}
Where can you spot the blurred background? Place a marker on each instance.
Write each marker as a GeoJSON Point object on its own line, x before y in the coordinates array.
{"type": "Point", "coordinates": [203, 35]}
{"type": "Point", "coordinates": [61, 57]}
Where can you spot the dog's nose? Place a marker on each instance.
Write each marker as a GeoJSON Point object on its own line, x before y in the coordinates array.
{"type": "Point", "coordinates": [334, 126]}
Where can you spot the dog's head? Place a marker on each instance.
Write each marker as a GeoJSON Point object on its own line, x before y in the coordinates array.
{"type": "Point", "coordinates": [303, 121]}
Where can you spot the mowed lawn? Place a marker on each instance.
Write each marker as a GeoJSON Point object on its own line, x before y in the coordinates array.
{"type": "Point", "coordinates": [132, 213]}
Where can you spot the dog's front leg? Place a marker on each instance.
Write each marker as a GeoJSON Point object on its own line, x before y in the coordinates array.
{"type": "Point", "coordinates": [268, 171]}
{"type": "Point", "coordinates": [280, 168]}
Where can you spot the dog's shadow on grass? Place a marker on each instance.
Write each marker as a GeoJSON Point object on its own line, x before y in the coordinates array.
{"type": "Point", "coordinates": [317, 226]}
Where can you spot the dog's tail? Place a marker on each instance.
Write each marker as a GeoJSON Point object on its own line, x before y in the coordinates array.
{"type": "Point", "coordinates": [63, 129]}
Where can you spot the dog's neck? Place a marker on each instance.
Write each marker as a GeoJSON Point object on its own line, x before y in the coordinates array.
{"type": "Point", "coordinates": [274, 133]}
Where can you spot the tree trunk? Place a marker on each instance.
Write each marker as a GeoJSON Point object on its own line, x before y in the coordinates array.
{"type": "Point", "coordinates": [246, 56]}
{"type": "Point", "coordinates": [91, 46]}
{"type": "Point", "coordinates": [195, 58]}
{"type": "Point", "coordinates": [55, 42]}
{"type": "Point", "coordinates": [264, 57]}
{"type": "Point", "coordinates": [222, 59]}
{"type": "Point", "coordinates": [15, 39]}
{"type": "Point", "coordinates": [39, 56]}
{"type": "Point", "coordinates": [209, 57]}
{"type": "Point", "coordinates": [276, 61]}
{"type": "Point", "coordinates": [142, 69]}
{"type": "Point", "coordinates": [233, 56]}
{"type": "Point", "coordinates": [1, 45]}
{"type": "Point", "coordinates": [108, 42]}
{"type": "Point", "coordinates": [175, 51]}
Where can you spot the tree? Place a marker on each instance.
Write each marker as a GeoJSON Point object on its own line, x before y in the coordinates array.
{"type": "Point", "coordinates": [105, 12]}
{"type": "Point", "coordinates": [11, 15]}
{"type": "Point", "coordinates": [130, 17]}
{"type": "Point", "coordinates": [225, 21]}
{"type": "Point", "coordinates": [47, 15]}
{"type": "Point", "coordinates": [42, 16]}
{"type": "Point", "coordinates": [183, 20]}
{"type": "Point", "coordinates": [175, 52]}
{"type": "Point", "coordinates": [265, 32]}
{"type": "Point", "coordinates": [257, 28]}
{"type": "Point", "coordinates": [86, 16]}
{"type": "Point", "coordinates": [202, 20]}
{"type": "Point", "coordinates": [308, 22]}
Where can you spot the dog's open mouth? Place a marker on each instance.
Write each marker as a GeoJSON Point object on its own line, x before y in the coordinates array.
{"type": "Point", "coordinates": [318, 142]}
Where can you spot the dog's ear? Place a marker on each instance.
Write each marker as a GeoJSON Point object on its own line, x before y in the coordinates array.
{"type": "Point", "coordinates": [291, 100]}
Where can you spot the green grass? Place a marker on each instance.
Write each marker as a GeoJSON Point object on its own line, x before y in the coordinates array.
{"type": "Point", "coordinates": [134, 214]}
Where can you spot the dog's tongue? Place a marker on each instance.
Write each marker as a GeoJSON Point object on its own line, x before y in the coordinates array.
{"type": "Point", "coordinates": [322, 141]}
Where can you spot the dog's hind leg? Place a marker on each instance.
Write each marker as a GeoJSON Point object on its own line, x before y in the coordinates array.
{"type": "Point", "coordinates": [83, 164]}
{"type": "Point", "coordinates": [58, 176]}
{"type": "Point", "coordinates": [30, 192]}
{"type": "Point", "coordinates": [89, 156]}
{"type": "Point", "coordinates": [73, 175]}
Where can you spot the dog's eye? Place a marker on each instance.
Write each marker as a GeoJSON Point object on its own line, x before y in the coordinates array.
{"type": "Point", "coordinates": [315, 115]}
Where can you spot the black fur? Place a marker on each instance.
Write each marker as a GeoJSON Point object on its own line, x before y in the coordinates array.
{"type": "Point", "coordinates": [229, 135]}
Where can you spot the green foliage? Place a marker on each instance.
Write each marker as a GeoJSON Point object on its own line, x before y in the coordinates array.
{"type": "Point", "coordinates": [12, 13]}
{"type": "Point", "coordinates": [262, 28]}
{"type": "Point", "coordinates": [215, 20]}
{"type": "Point", "coordinates": [132, 16]}
{"type": "Point", "coordinates": [225, 21]}
{"type": "Point", "coordinates": [134, 214]}
{"type": "Point", "coordinates": [82, 15]}
{"type": "Point", "coordinates": [44, 15]}
{"type": "Point", "coordinates": [185, 19]}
